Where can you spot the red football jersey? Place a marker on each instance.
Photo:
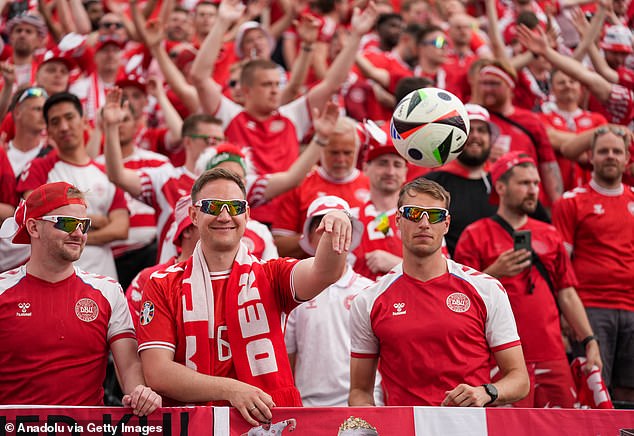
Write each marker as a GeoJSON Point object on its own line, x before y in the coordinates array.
{"type": "Point", "coordinates": [379, 233]}
{"type": "Point", "coordinates": [598, 225]}
{"type": "Point", "coordinates": [55, 337]}
{"type": "Point", "coordinates": [293, 205]}
{"type": "Point", "coordinates": [536, 314]}
{"type": "Point", "coordinates": [433, 335]}
{"type": "Point", "coordinates": [161, 320]}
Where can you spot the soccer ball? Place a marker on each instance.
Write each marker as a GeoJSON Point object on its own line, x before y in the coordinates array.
{"type": "Point", "coordinates": [429, 127]}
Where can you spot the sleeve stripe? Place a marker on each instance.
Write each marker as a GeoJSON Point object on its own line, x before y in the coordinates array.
{"type": "Point", "coordinates": [363, 355]}
{"type": "Point", "coordinates": [506, 346]}
{"type": "Point", "coordinates": [122, 335]}
{"type": "Point", "coordinates": [157, 344]}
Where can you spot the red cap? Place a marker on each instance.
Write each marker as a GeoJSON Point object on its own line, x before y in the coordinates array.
{"type": "Point", "coordinates": [40, 201]}
{"type": "Point", "coordinates": [181, 217]}
{"type": "Point", "coordinates": [102, 42]}
{"type": "Point", "coordinates": [133, 74]}
{"type": "Point", "coordinates": [504, 164]}
{"type": "Point", "coordinates": [57, 55]}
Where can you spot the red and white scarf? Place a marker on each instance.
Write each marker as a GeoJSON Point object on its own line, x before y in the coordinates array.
{"type": "Point", "coordinates": [253, 325]}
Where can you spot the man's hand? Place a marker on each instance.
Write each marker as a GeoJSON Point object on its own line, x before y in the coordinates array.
{"type": "Point", "coordinates": [339, 226]}
{"type": "Point", "coordinates": [155, 85]}
{"type": "Point", "coordinates": [593, 357]}
{"type": "Point", "coordinates": [112, 113]}
{"type": "Point", "coordinates": [231, 11]}
{"type": "Point", "coordinates": [363, 22]}
{"type": "Point", "coordinates": [8, 73]}
{"type": "Point", "coordinates": [464, 395]}
{"type": "Point", "coordinates": [325, 122]}
{"type": "Point", "coordinates": [252, 403]}
{"type": "Point", "coordinates": [153, 33]}
{"type": "Point", "coordinates": [307, 27]}
{"type": "Point", "coordinates": [142, 400]}
{"type": "Point", "coordinates": [381, 261]}
{"type": "Point", "coordinates": [510, 263]}
{"type": "Point", "coordinates": [535, 40]}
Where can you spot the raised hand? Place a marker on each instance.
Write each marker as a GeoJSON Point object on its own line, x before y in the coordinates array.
{"type": "Point", "coordinates": [112, 112]}
{"type": "Point", "coordinates": [8, 73]}
{"type": "Point", "coordinates": [535, 40]}
{"type": "Point", "coordinates": [154, 85]}
{"type": "Point", "coordinates": [363, 22]}
{"type": "Point", "coordinates": [325, 122]}
{"type": "Point", "coordinates": [231, 10]}
{"type": "Point", "coordinates": [307, 28]}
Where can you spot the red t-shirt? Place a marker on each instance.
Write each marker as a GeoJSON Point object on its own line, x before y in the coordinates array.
{"type": "Point", "coordinates": [55, 337]}
{"type": "Point", "coordinates": [433, 335]}
{"type": "Point", "coordinates": [380, 233]}
{"type": "Point", "coordinates": [598, 224]}
{"type": "Point", "coordinates": [536, 314]}
{"type": "Point", "coordinates": [8, 194]}
{"type": "Point", "coordinates": [272, 145]}
{"type": "Point", "coordinates": [293, 205]}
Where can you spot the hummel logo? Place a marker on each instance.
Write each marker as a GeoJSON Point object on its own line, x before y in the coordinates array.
{"type": "Point", "coordinates": [399, 309]}
{"type": "Point", "coordinates": [24, 309]}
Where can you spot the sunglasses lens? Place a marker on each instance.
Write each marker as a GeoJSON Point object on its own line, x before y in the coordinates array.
{"type": "Point", "coordinates": [413, 213]}
{"type": "Point", "coordinates": [214, 207]}
{"type": "Point", "coordinates": [436, 215]}
{"type": "Point", "coordinates": [69, 224]}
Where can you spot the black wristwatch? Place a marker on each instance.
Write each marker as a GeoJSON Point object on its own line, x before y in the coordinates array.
{"type": "Point", "coordinates": [492, 391]}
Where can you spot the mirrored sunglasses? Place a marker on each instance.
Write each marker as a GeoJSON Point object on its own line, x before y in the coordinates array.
{"type": "Point", "coordinates": [32, 92]}
{"type": "Point", "coordinates": [212, 206]}
{"type": "Point", "coordinates": [438, 42]}
{"type": "Point", "coordinates": [415, 213]}
{"type": "Point", "coordinates": [68, 224]}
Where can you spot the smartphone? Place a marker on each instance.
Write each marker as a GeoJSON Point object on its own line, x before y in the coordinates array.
{"type": "Point", "coordinates": [522, 240]}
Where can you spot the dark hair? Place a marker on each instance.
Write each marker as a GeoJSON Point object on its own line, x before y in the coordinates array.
{"type": "Point", "coordinates": [62, 97]}
{"type": "Point", "coordinates": [409, 84]}
{"type": "Point", "coordinates": [190, 124]}
{"type": "Point", "coordinates": [247, 75]}
{"type": "Point", "coordinates": [384, 18]}
{"type": "Point", "coordinates": [527, 18]}
{"type": "Point", "coordinates": [216, 174]}
{"type": "Point", "coordinates": [422, 185]}
{"type": "Point", "coordinates": [426, 30]}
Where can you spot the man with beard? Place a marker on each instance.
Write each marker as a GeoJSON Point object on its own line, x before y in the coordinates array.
{"type": "Point", "coordinates": [597, 224]}
{"type": "Point", "coordinates": [56, 349]}
{"type": "Point", "coordinates": [26, 34]}
{"type": "Point", "coordinates": [538, 279]}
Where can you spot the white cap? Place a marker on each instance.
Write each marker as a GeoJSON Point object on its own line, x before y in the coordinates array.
{"type": "Point", "coordinates": [244, 28]}
{"type": "Point", "coordinates": [479, 113]}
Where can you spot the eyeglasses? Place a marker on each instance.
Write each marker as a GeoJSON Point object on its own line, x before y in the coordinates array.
{"type": "Point", "coordinates": [210, 140]}
{"type": "Point", "coordinates": [109, 25]}
{"type": "Point", "coordinates": [438, 42]}
{"type": "Point", "coordinates": [415, 213]}
{"type": "Point", "coordinates": [212, 206]}
{"type": "Point", "coordinates": [32, 92]}
{"type": "Point", "coordinates": [68, 224]}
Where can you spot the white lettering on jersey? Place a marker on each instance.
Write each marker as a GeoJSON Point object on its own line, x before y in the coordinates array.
{"type": "Point", "coordinates": [224, 349]}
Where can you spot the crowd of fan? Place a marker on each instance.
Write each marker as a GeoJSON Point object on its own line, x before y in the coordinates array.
{"type": "Point", "coordinates": [131, 102]}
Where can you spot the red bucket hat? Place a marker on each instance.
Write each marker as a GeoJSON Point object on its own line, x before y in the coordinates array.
{"type": "Point", "coordinates": [42, 200]}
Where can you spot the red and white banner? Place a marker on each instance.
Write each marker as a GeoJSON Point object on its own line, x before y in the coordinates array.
{"type": "Point", "coordinates": [384, 421]}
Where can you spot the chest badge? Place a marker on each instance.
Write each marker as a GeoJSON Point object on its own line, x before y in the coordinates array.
{"type": "Point", "coordinates": [458, 302]}
{"type": "Point", "coordinates": [86, 310]}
